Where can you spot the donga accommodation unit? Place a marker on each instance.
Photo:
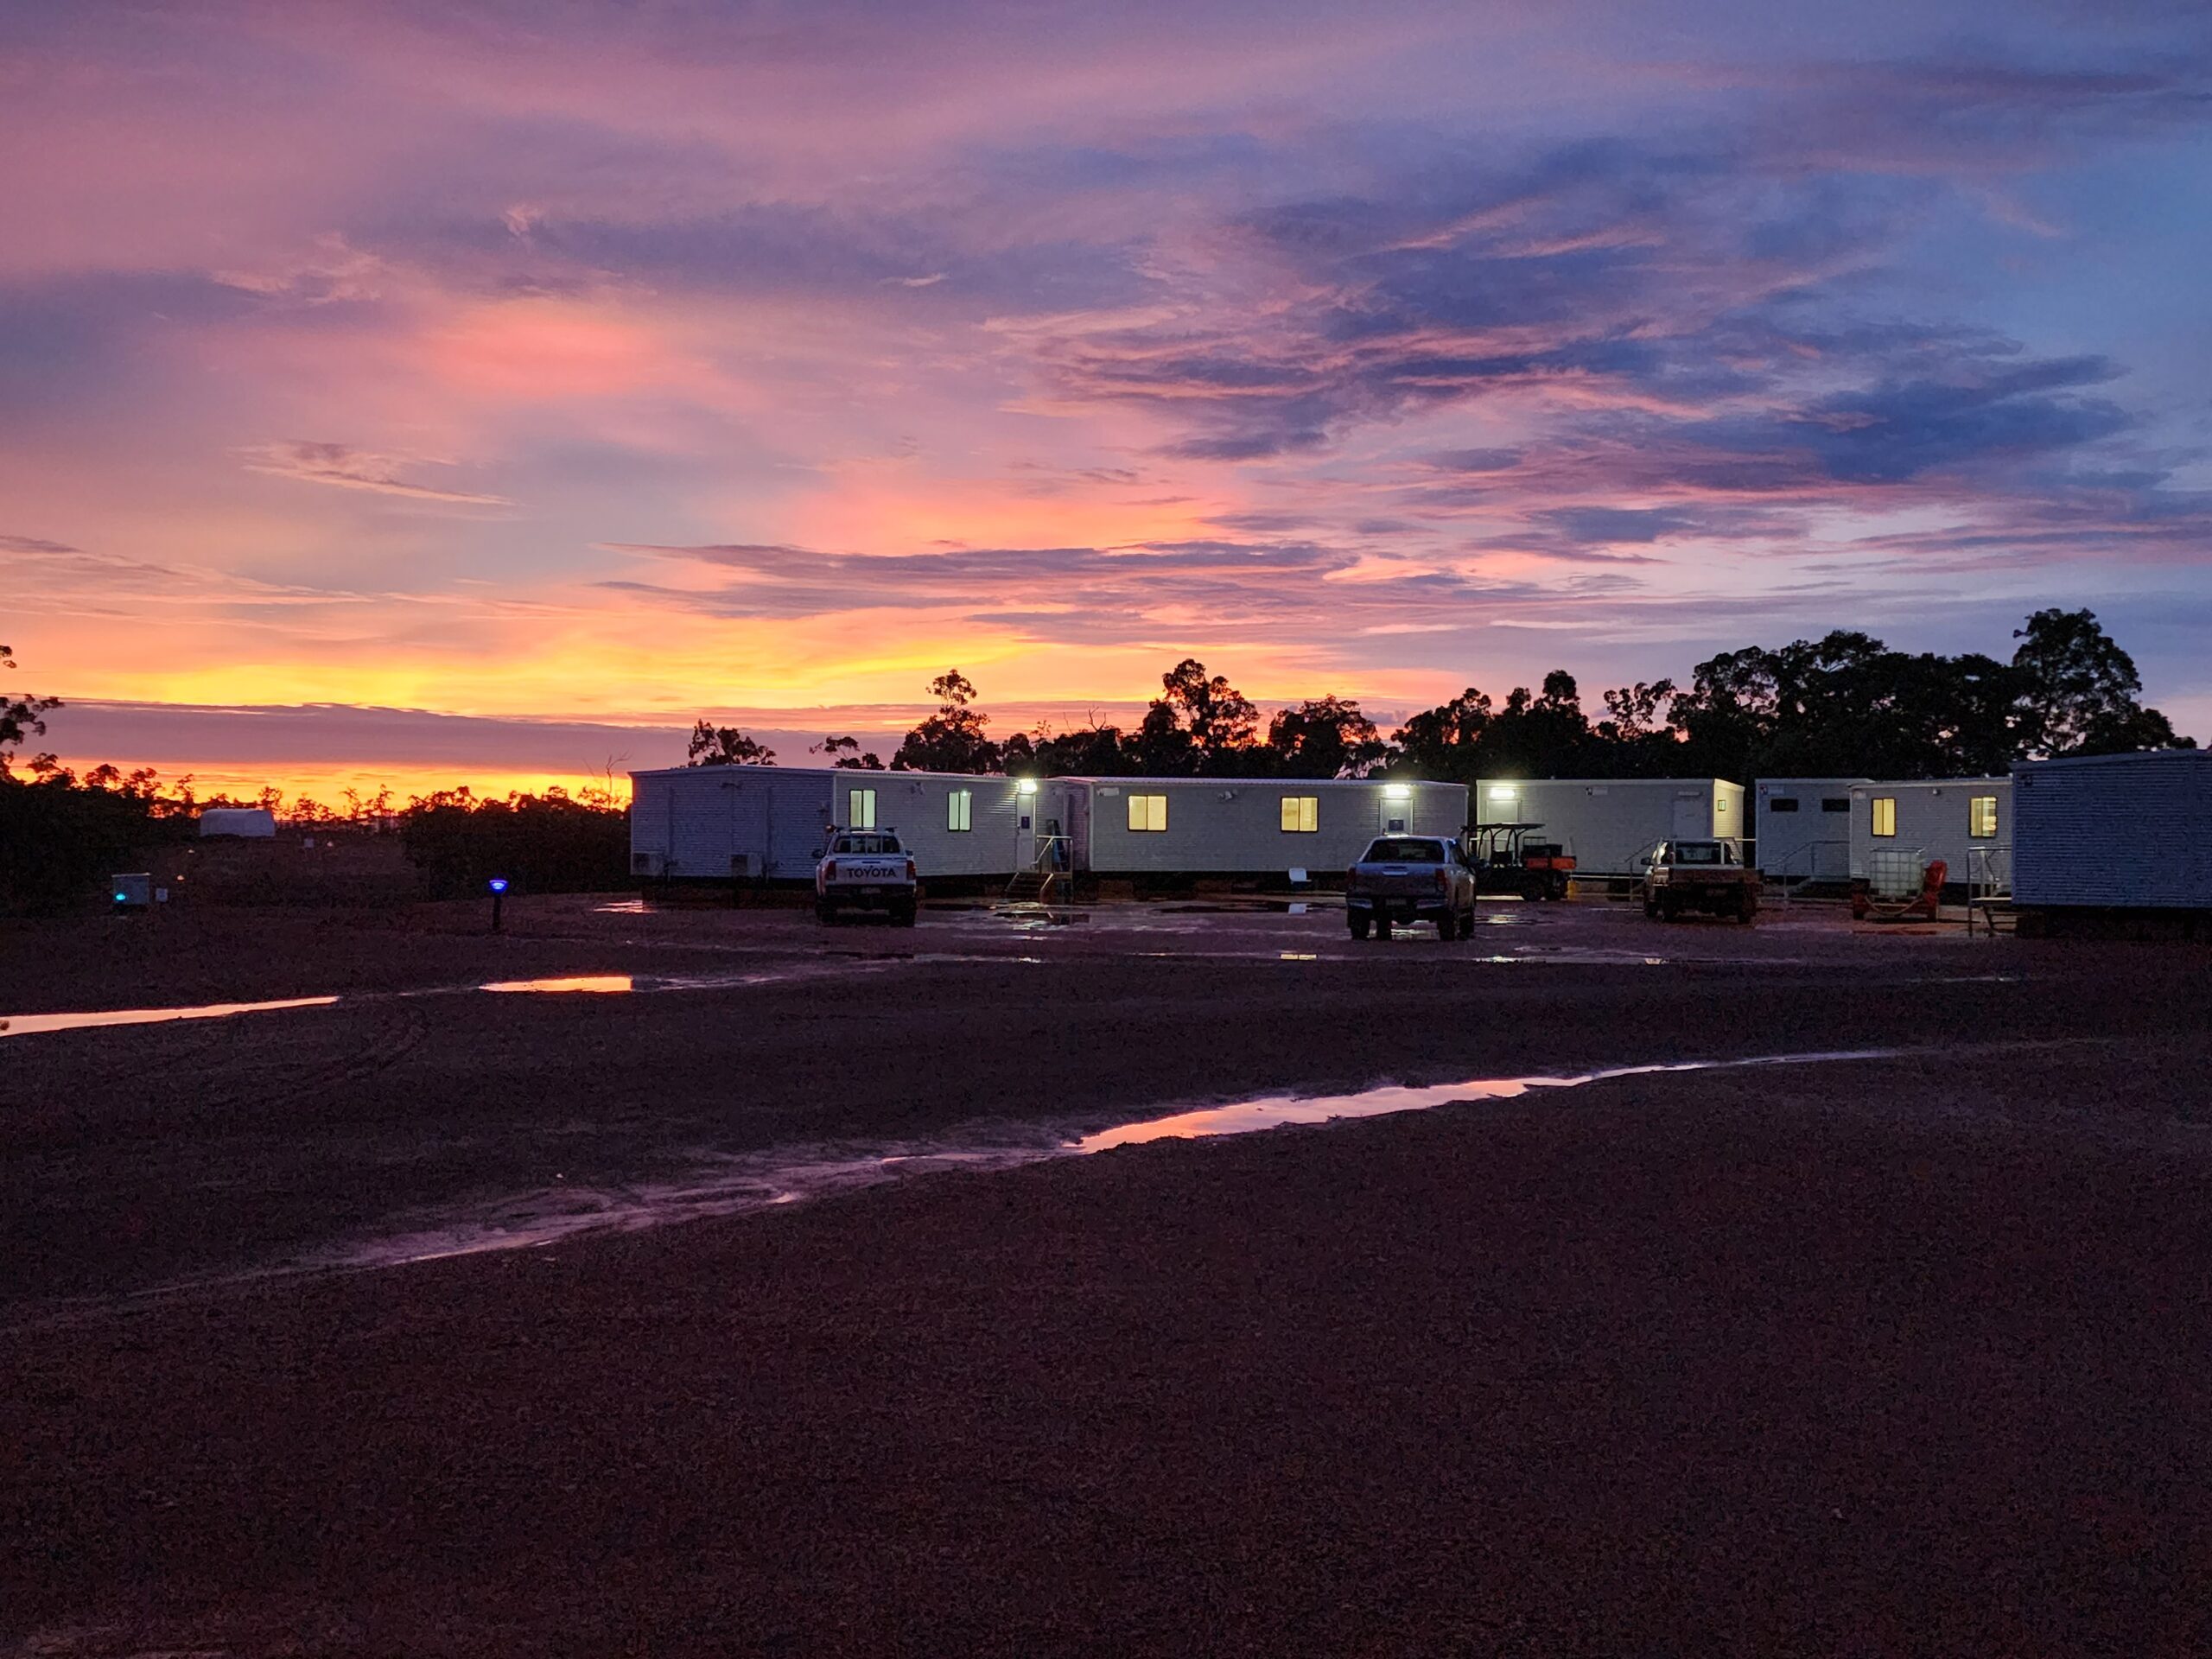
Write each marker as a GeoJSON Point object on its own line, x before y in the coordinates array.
{"type": "Point", "coordinates": [1608, 823]}
{"type": "Point", "coordinates": [1897, 830]}
{"type": "Point", "coordinates": [1240, 826]}
{"type": "Point", "coordinates": [771, 822]}
{"type": "Point", "coordinates": [2115, 838]}
{"type": "Point", "coordinates": [1803, 827]}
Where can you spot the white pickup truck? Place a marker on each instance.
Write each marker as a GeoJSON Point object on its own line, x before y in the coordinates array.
{"type": "Point", "coordinates": [866, 869]}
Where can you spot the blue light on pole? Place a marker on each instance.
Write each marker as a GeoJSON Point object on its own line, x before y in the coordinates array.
{"type": "Point", "coordinates": [498, 886]}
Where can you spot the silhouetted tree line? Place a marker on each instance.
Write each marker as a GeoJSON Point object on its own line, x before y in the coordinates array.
{"type": "Point", "coordinates": [1842, 706]}
{"type": "Point", "coordinates": [543, 843]}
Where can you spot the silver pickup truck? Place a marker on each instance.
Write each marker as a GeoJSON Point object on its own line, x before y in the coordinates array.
{"type": "Point", "coordinates": [1411, 879]}
{"type": "Point", "coordinates": [866, 869]}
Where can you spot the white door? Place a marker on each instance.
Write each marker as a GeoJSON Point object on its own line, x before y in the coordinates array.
{"type": "Point", "coordinates": [1693, 818]}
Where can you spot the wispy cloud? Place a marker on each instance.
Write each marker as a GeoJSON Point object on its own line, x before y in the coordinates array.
{"type": "Point", "coordinates": [347, 468]}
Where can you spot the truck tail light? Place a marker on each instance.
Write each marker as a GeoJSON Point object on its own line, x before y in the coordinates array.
{"type": "Point", "coordinates": [1444, 881]}
{"type": "Point", "coordinates": [910, 869]}
{"type": "Point", "coordinates": [830, 870]}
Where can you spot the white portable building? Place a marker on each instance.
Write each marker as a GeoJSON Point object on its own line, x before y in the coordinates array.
{"type": "Point", "coordinates": [1198, 826]}
{"type": "Point", "coordinates": [1803, 827]}
{"type": "Point", "coordinates": [1965, 822]}
{"type": "Point", "coordinates": [716, 822]}
{"type": "Point", "coordinates": [2115, 832]}
{"type": "Point", "coordinates": [253, 822]}
{"type": "Point", "coordinates": [1608, 823]}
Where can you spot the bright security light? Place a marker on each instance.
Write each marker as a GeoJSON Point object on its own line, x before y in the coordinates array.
{"type": "Point", "coordinates": [497, 884]}
{"type": "Point", "coordinates": [1501, 791]}
{"type": "Point", "coordinates": [1026, 786]}
{"type": "Point", "coordinates": [1397, 791]}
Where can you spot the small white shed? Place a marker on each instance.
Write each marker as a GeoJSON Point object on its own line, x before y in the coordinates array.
{"type": "Point", "coordinates": [1803, 827]}
{"type": "Point", "coordinates": [1608, 823]}
{"type": "Point", "coordinates": [251, 822]}
{"type": "Point", "coordinates": [1965, 822]}
{"type": "Point", "coordinates": [2114, 832]}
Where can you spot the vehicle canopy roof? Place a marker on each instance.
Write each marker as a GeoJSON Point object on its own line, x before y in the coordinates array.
{"type": "Point", "coordinates": [1406, 849]}
{"type": "Point", "coordinates": [865, 840]}
{"type": "Point", "coordinates": [1703, 852]}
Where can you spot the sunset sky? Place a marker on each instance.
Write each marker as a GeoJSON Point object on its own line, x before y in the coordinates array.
{"type": "Point", "coordinates": [437, 391]}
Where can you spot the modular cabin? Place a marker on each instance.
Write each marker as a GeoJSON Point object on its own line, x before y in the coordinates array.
{"type": "Point", "coordinates": [2115, 838]}
{"type": "Point", "coordinates": [1241, 826]}
{"type": "Point", "coordinates": [771, 822]}
{"type": "Point", "coordinates": [1609, 824]}
{"type": "Point", "coordinates": [1802, 827]}
{"type": "Point", "coordinates": [1897, 830]}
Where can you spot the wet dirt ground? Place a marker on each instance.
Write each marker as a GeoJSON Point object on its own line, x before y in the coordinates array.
{"type": "Point", "coordinates": [1875, 1355]}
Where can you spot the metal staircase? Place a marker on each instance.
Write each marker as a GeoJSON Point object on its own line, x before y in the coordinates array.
{"type": "Point", "coordinates": [1048, 868]}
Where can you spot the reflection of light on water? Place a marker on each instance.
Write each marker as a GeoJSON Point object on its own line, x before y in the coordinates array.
{"type": "Point", "coordinates": [1301, 955]}
{"type": "Point", "coordinates": [600, 983]}
{"type": "Point", "coordinates": [1273, 1111]}
{"type": "Point", "coordinates": [723, 1184]}
{"type": "Point", "coordinates": [23, 1025]}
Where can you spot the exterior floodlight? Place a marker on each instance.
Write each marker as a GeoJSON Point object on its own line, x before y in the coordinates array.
{"type": "Point", "coordinates": [1397, 791]}
{"type": "Point", "coordinates": [1026, 786]}
{"type": "Point", "coordinates": [1501, 791]}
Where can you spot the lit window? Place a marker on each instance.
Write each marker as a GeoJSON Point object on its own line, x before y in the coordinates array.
{"type": "Point", "coordinates": [1885, 818]}
{"type": "Point", "coordinates": [1301, 814]}
{"type": "Point", "coordinates": [861, 813]}
{"type": "Point", "coordinates": [959, 810]}
{"type": "Point", "coordinates": [1981, 816]}
{"type": "Point", "coordinates": [1148, 812]}
{"type": "Point", "coordinates": [1782, 803]}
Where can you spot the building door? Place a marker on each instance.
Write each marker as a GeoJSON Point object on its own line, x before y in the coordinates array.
{"type": "Point", "coordinates": [1693, 818]}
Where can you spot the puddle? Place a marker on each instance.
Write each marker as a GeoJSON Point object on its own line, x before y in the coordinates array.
{"type": "Point", "coordinates": [716, 1185]}
{"type": "Point", "coordinates": [1273, 1111]}
{"type": "Point", "coordinates": [602, 983]}
{"type": "Point", "coordinates": [23, 1025]}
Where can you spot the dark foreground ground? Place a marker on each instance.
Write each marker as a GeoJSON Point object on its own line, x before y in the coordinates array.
{"type": "Point", "coordinates": [1908, 1355]}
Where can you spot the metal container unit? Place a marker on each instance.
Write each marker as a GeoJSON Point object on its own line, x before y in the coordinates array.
{"type": "Point", "coordinates": [249, 822]}
{"type": "Point", "coordinates": [1608, 823]}
{"type": "Point", "coordinates": [2114, 832]}
{"type": "Point", "coordinates": [771, 822]}
{"type": "Point", "coordinates": [1965, 822]}
{"type": "Point", "coordinates": [1216, 826]}
{"type": "Point", "coordinates": [1803, 827]}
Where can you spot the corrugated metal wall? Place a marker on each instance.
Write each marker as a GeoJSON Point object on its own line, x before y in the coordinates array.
{"type": "Point", "coordinates": [2124, 831]}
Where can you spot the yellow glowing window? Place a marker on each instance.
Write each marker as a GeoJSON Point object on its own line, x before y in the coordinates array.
{"type": "Point", "coordinates": [1301, 814]}
{"type": "Point", "coordinates": [1981, 816]}
{"type": "Point", "coordinates": [1148, 812]}
{"type": "Point", "coordinates": [1885, 821]}
{"type": "Point", "coordinates": [861, 814]}
{"type": "Point", "coordinates": [960, 809]}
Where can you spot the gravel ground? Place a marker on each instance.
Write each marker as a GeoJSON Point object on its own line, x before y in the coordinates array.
{"type": "Point", "coordinates": [1878, 1357]}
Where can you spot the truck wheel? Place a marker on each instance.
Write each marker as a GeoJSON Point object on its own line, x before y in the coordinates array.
{"type": "Point", "coordinates": [1447, 927]}
{"type": "Point", "coordinates": [903, 914]}
{"type": "Point", "coordinates": [1467, 925]}
{"type": "Point", "coordinates": [1532, 889]}
{"type": "Point", "coordinates": [1747, 907]}
{"type": "Point", "coordinates": [1651, 909]}
{"type": "Point", "coordinates": [824, 911]}
{"type": "Point", "coordinates": [1381, 927]}
{"type": "Point", "coordinates": [1360, 926]}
